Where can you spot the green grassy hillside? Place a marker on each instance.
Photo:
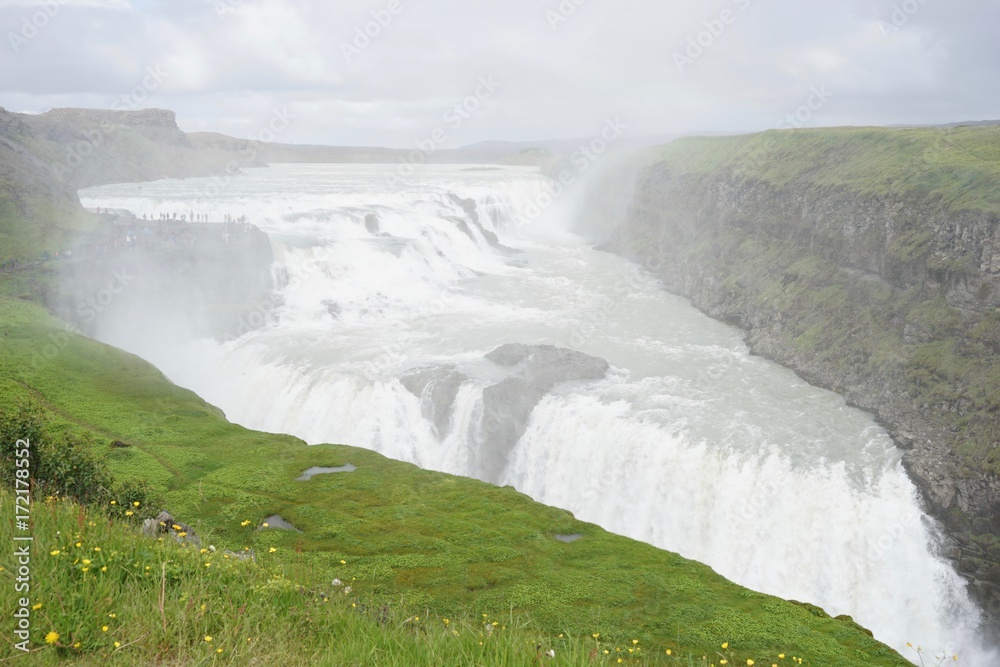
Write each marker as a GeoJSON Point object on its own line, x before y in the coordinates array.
{"type": "Point", "coordinates": [958, 167]}
{"type": "Point", "coordinates": [412, 541]}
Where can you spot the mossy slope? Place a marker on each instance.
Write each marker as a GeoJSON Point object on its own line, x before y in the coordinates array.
{"type": "Point", "coordinates": [409, 537]}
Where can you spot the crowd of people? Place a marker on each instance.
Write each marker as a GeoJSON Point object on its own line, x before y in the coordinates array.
{"type": "Point", "coordinates": [128, 231]}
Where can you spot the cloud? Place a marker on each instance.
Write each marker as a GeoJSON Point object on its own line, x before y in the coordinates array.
{"type": "Point", "coordinates": [100, 4]}
{"type": "Point", "coordinates": [232, 62]}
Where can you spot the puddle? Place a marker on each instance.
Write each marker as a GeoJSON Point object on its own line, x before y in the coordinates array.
{"type": "Point", "coordinates": [277, 523]}
{"type": "Point", "coordinates": [315, 470]}
{"type": "Point", "coordinates": [569, 539]}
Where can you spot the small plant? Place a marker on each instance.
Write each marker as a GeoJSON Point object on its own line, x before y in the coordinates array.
{"type": "Point", "coordinates": [66, 465]}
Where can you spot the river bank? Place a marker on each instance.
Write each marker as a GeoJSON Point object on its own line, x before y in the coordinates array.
{"type": "Point", "coordinates": [865, 272]}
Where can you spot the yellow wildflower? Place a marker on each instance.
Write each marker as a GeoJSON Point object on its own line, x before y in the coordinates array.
{"type": "Point", "coordinates": [208, 638]}
{"type": "Point", "coordinates": [52, 637]}
{"type": "Point", "coordinates": [36, 607]}
{"type": "Point", "coordinates": [55, 552]}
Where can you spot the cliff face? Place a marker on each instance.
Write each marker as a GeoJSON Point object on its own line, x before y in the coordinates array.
{"type": "Point", "coordinates": [206, 279]}
{"type": "Point", "coordinates": [868, 261]}
{"type": "Point", "coordinates": [87, 147]}
{"type": "Point", "coordinates": [46, 158]}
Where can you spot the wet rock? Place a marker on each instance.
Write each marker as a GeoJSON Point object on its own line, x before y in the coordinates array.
{"type": "Point", "coordinates": [507, 405]}
{"type": "Point", "coordinates": [470, 207]}
{"type": "Point", "coordinates": [333, 308]}
{"type": "Point", "coordinates": [372, 223]}
{"type": "Point", "coordinates": [166, 524]}
{"type": "Point", "coordinates": [276, 522]}
{"type": "Point", "coordinates": [316, 470]}
{"type": "Point", "coordinates": [436, 387]}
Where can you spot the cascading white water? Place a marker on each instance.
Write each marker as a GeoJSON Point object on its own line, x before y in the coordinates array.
{"type": "Point", "coordinates": [689, 443]}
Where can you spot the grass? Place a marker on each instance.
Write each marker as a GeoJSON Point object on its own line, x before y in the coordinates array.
{"type": "Point", "coordinates": [106, 593]}
{"type": "Point", "coordinates": [957, 167]}
{"type": "Point", "coordinates": [417, 542]}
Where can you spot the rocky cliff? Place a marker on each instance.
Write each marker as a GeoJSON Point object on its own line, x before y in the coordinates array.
{"type": "Point", "coordinates": [209, 279]}
{"type": "Point", "coordinates": [869, 261]}
{"type": "Point", "coordinates": [46, 158]}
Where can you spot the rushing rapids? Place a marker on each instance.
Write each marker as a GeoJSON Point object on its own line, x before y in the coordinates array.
{"type": "Point", "coordinates": [437, 323]}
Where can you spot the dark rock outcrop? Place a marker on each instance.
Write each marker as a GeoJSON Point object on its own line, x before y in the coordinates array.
{"type": "Point", "coordinates": [166, 524]}
{"type": "Point", "coordinates": [507, 405]}
{"type": "Point", "coordinates": [436, 387]}
{"type": "Point", "coordinates": [531, 372]}
{"type": "Point", "coordinates": [470, 207]}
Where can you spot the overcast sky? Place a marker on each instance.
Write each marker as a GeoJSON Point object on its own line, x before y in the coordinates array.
{"type": "Point", "coordinates": [541, 68]}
